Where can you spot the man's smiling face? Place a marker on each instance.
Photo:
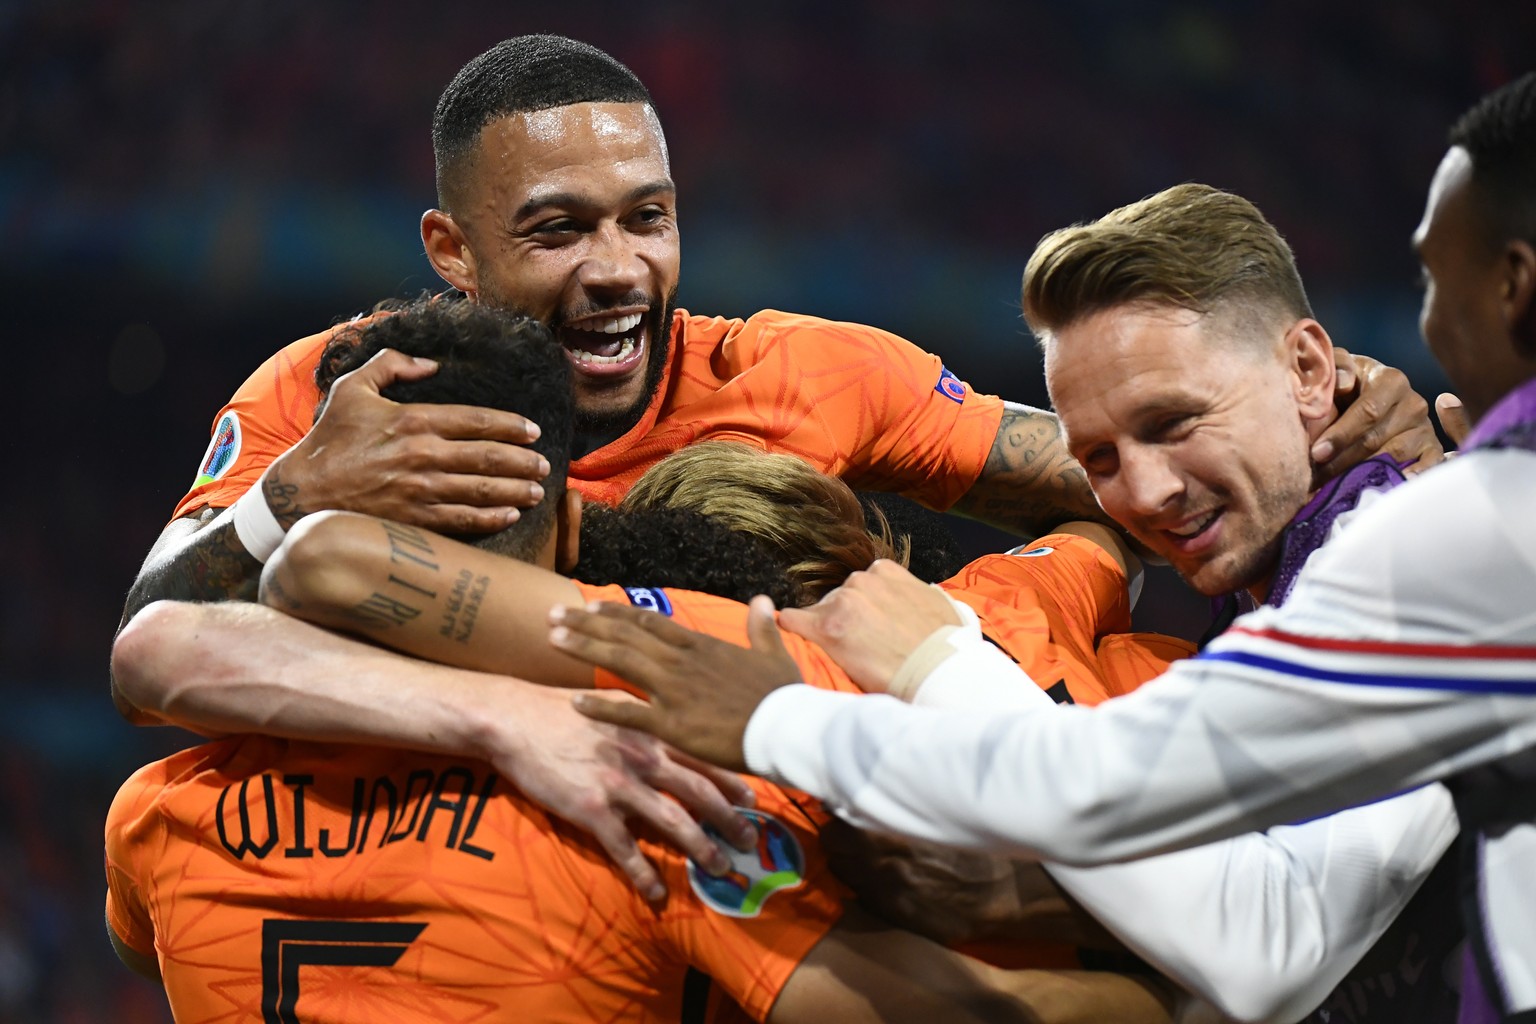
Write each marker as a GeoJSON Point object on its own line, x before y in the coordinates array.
{"type": "Point", "coordinates": [570, 215]}
{"type": "Point", "coordinates": [1194, 442]}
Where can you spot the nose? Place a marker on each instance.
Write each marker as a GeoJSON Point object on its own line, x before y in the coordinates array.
{"type": "Point", "coordinates": [612, 262]}
{"type": "Point", "coordinates": [1147, 481]}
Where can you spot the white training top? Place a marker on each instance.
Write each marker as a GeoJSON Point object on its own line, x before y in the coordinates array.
{"type": "Point", "coordinates": [1405, 654]}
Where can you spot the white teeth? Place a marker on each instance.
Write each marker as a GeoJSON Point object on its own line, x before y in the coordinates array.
{"type": "Point", "coordinates": [1194, 528]}
{"type": "Point", "coordinates": [618, 325]}
{"type": "Point", "coordinates": [588, 357]}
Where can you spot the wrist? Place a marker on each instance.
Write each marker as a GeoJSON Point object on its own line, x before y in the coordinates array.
{"type": "Point", "coordinates": [257, 527]}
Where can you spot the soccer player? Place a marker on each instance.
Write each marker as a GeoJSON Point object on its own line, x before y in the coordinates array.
{"type": "Point", "coordinates": [556, 198]}
{"type": "Point", "coordinates": [228, 871]}
{"type": "Point", "coordinates": [1399, 658]}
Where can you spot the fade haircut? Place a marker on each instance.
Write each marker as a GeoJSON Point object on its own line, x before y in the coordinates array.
{"type": "Point", "coordinates": [1191, 246]}
{"type": "Point", "coordinates": [485, 357]}
{"type": "Point", "coordinates": [1499, 133]}
{"type": "Point", "coordinates": [812, 521]}
{"type": "Point", "coordinates": [515, 76]}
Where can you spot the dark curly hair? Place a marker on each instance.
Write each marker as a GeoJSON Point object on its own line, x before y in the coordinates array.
{"type": "Point", "coordinates": [485, 357]}
{"type": "Point", "coordinates": [525, 73]}
{"type": "Point", "coordinates": [682, 549]}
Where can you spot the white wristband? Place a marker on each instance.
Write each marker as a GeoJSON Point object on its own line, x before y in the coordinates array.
{"type": "Point", "coordinates": [255, 525]}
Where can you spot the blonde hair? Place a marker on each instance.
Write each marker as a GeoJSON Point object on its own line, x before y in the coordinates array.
{"type": "Point", "coordinates": [1191, 246]}
{"type": "Point", "coordinates": [813, 520]}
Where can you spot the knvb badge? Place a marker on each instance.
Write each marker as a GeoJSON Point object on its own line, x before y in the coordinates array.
{"type": "Point", "coordinates": [950, 386]}
{"type": "Point", "coordinates": [775, 864]}
{"type": "Point", "coordinates": [222, 450]}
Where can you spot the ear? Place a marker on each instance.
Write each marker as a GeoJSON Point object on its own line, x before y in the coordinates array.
{"type": "Point", "coordinates": [1518, 295]}
{"type": "Point", "coordinates": [1313, 370]}
{"type": "Point", "coordinates": [448, 249]}
{"type": "Point", "coordinates": [568, 531]}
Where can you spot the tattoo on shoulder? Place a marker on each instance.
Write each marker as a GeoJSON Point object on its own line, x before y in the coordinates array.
{"type": "Point", "coordinates": [214, 567]}
{"type": "Point", "coordinates": [1030, 484]}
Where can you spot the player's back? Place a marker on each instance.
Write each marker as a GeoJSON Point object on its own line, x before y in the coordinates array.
{"type": "Point", "coordinates": [330, 884]}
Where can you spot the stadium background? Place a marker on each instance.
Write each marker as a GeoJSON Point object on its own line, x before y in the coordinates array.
{"type": "Point", "coordinates": [185, 186]}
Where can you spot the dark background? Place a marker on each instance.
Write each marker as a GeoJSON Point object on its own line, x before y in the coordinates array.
{"type": "Point", "coordinates": [186, 186]}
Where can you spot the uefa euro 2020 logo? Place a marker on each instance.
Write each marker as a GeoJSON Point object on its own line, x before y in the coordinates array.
{"type": "Point", "coordinates": [776, 863]}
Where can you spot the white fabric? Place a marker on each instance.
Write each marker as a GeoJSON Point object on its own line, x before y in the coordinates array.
{"type": "Point", "coordinates": [1284, 717]}
{"type": "Point", "coordinates": [258, 529]}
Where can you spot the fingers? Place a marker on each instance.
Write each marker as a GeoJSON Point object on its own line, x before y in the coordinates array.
{"type": "Point", "coordinates": [1346, 374]}
{"type": "Point", "coordinates": [733, 786]}
{"type": "Point", "coordinates": [1387, 416]}
{"type": "Point", "coordinates": [700, 796]}
{"type": "Point", "coordinates": [762, 629]}
{"type": "Point", "coordinates": [614, 837]}
{"type": "Point", "coordinates": [1453, 418]}
{"type": "Point", "coordinates": [621, 656]}
{"type": "Point", "coordinates": [615, 712]}
{"type": "Point", "coordinates": [385, 368]}
{"type": "Point", "coordinates": [467, 423]}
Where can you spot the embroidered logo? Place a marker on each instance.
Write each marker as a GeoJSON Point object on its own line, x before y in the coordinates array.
{"type": "Point", "coordinates": [653, 598]}
{"type": "Point", "coordinates": [222, 450]}
{"type": "Point", "coordinates": [950, 386]}
{"type": "Point", "coordinates": [777, 863]}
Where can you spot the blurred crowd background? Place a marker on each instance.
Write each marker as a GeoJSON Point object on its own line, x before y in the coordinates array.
{"type": "Point", "coordinates": [185, 186]}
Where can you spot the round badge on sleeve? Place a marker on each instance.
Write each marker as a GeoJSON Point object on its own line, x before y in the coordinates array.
{"type": "Point", "coordinates": [776, 863]}
{"type": "Point", "coordinates": [222, 450]}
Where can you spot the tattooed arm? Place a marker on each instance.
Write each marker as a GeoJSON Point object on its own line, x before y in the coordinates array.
{"type": "Point", "coordinates": [423, 594]}
{"type": "Point", "coordinates": [1030, 484]}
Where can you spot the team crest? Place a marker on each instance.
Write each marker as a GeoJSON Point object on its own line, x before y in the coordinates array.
{"type": "Point", "coordinates": [222, 450]}
{"type": "Point", "coordinates": [950, 386]}
{"type": "Point", "coordinates": [775, 864]}
{"type": "Point", "coordinates": [651, 598]}
{"type": "Point", "coordinates": [1031, 552]}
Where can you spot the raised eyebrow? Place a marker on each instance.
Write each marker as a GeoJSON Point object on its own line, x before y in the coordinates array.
{"type": "Point", "coordinates": [573, 200]}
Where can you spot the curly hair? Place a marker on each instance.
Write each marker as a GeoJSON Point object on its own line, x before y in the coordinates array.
{"type": "Point", "coordinates": [813, 522]}
{"type": "Point", "coordinates": [485, 357]}
{"type": "Point", "coordinates": [674, 547]}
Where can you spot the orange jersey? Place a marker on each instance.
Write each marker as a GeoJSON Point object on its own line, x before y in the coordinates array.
{"type": "Point", "coordinates": [282, 881]}
{"type": "Point", "coordinates": [1058, 606]}
{"type": "Point", "coordinates": [718, 617]}
{"type": "Point", "coordinates": [853, 401]}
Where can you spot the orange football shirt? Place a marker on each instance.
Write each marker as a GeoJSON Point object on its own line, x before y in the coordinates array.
{"type": "Point", "coordinates": [279, 881]}
{"type": "Point", "coordinates": [854, 401]}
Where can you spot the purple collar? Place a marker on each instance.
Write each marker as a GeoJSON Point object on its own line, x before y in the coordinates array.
{"type": "Point", "coordinates": [1516, 408]}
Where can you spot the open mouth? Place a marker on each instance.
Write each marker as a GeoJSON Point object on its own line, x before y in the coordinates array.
{"type": "Point", "coordinates": [1195, 534]}
{"type": "Point", "coordinates": [604, 346]}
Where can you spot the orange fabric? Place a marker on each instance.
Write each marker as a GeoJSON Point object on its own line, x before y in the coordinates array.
{"type": "Point", "coordinates": [853, 401]}
{"type": "Point", "coordinates": [721, 618]}
{"type": "Point", "coordinates": [472, 903]}
{"type": "Point", "coordinates": [1046, 604]}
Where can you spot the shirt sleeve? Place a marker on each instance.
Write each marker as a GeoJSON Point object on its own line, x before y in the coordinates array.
{"type": "Point", "coordinates": [893, 417]}
{"type": "Point", "coordinates": [1395, 662]}
{"type": "Point", "coordinates": [270, 413]}
{"type": "Point", "coordinates": [128, 913]}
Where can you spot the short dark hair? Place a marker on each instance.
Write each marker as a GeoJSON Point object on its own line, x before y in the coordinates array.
{"type": "Point", "coordinates": [486, 357]}
{"type": "Point", "coordinates": [1499, 133]}
{"type": "Point", "coordinates": [516, 75]}
{"type": "Point", "coordinates": [681, 549]}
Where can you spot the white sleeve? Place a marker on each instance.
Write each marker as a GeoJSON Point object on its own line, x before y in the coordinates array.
{"type": "Point", "coordinates": [1286, 717]}
{"type": "Point", "coordinates": [1265, 925]}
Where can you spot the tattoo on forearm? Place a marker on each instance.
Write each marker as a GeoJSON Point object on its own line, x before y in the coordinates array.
{"type": "Point", "coordinates": [283, 498]}
{"type": "Point", "coordinates": [401, 599]}
{"type": "Point", "coordinates": [406, 543]}
{"type": "Point", "coordinates": [1030, 484]}
{"type": "Point", "coordinates": [463, 605]}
